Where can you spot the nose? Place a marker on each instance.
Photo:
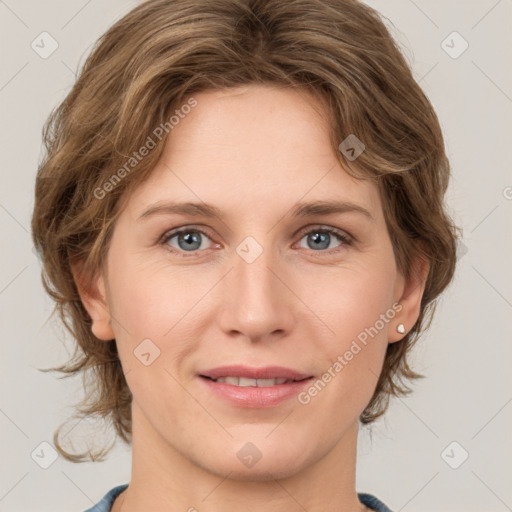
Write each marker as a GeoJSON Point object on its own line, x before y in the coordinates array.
{"type": "Point", "coordinates": [258, 303]}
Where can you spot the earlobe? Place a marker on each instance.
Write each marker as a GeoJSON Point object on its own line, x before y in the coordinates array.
{"type": "Point", "coordinates": [93, 296]}
{"type": "Point", "coordinates": [410, 300]}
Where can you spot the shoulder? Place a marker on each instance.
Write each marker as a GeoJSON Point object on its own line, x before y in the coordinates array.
{"type": "Point", "coordinates": [372, 502]}
{"type": "Point", "coordinates": [106, 502]}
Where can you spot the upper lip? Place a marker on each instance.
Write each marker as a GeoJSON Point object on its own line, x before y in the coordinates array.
{"type": "Point", "coordinates": [267, 372]}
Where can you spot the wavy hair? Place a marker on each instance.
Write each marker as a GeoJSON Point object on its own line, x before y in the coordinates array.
{"type": "Point", "coordinates": [149, 64]}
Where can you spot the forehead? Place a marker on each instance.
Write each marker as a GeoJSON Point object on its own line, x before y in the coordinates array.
{"type": "Point", "coordinates": [261, 145]}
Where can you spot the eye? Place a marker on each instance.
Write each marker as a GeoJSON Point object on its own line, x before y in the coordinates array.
{"type": "Point", "coordinates": [322, 237]}
{"type": "Point", "coordinates": [187, 240]}
{"type": "Point", "coordinates": [191, 240]}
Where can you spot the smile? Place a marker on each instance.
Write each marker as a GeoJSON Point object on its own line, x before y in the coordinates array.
{"type": "Point", "coordinates": [246, 382]}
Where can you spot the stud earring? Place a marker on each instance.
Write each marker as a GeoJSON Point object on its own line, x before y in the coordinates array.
{"type": "Point", "coordinates": [400, 328]}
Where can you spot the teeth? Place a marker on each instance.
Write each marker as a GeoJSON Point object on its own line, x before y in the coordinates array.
{"type": "Point", "coordinates": [261, 383]}
{"type": "Point", "coordinates": [245, 382]}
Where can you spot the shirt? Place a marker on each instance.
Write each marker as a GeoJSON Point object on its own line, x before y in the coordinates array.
{"type": "Point", "coordinates": [106, 503]}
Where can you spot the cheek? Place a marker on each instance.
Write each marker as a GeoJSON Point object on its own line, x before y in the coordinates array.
{"type": "Point", "coordinates": [149, 300]}
{"type": "Point", "coordinates": [162, 312]}
{"type": "Point", "coordinates": [152, 303]}
{"type": "Point", "coordinates": [353, 300]}
{"type": "Point", "coordinates": [357, 305]}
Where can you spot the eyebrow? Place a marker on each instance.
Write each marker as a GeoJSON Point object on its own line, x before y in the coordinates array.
{"type": "Point", "coordinates": [299, 210]}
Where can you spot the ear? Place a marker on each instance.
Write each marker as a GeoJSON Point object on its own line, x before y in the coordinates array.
{"type": "Point", "coordinates": [93, 295]}
{"type": "Point", "coordinates": [409, 294]}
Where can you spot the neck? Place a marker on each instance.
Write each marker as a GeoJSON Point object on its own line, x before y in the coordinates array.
{"type": "Point", "coordinates": [162, 476]}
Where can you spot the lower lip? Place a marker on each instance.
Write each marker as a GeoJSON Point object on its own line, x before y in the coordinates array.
{"type": "Point", "coordinates": [254, 397]}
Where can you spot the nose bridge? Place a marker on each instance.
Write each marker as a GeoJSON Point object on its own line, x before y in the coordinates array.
{"type": "Point", "coordinates": [256, 302]}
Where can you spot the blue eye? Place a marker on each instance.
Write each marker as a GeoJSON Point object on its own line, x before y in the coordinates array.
{"type": "Point", "coordinates": [189, 240]}
{"type": "Point", "coordinates": [321, 238]}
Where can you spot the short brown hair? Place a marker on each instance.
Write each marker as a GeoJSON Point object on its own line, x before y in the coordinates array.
{"type": "Point", "coordinates": [148, 64]}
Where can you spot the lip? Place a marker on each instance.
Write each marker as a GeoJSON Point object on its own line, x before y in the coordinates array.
{"type": "Point", "coordinates": [250, 396]}
{"type": "Point", "coordinates": [267, 372]}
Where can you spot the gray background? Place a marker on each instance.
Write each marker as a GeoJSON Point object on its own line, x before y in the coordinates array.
{"type": "Point", "coordinates": [466, 396]}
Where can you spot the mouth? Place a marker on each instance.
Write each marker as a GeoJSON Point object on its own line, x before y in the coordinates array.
{"type": "Point", "coordinates": [246, 387]}
{"type": "Point", "coordinates": [264, 376]}
{"type": "Point", "coordinates": [247, 382]}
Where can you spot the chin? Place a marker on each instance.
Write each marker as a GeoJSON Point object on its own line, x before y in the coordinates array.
{"type": "Point", "coordinates": [250, 463]}
{"type": "Point", "coordinates": [260, 472]}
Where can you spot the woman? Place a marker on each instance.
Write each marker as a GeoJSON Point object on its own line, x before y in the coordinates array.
{"type": "Point", "coordinates": [240, 217]}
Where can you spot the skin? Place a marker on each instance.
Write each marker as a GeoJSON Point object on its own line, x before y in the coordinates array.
{"type": "Point", "coordinates": [253, 152]}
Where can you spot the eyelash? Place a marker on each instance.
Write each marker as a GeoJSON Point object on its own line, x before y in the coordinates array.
{"type": "Point", "coordinates": [166, 237]}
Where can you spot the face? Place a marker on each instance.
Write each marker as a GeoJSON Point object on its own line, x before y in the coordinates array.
{"type": "Point", "coordinates": [264, 281]}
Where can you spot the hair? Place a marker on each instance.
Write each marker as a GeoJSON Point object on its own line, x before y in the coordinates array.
{"type": "Point", "coordinates": [148, 65]}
